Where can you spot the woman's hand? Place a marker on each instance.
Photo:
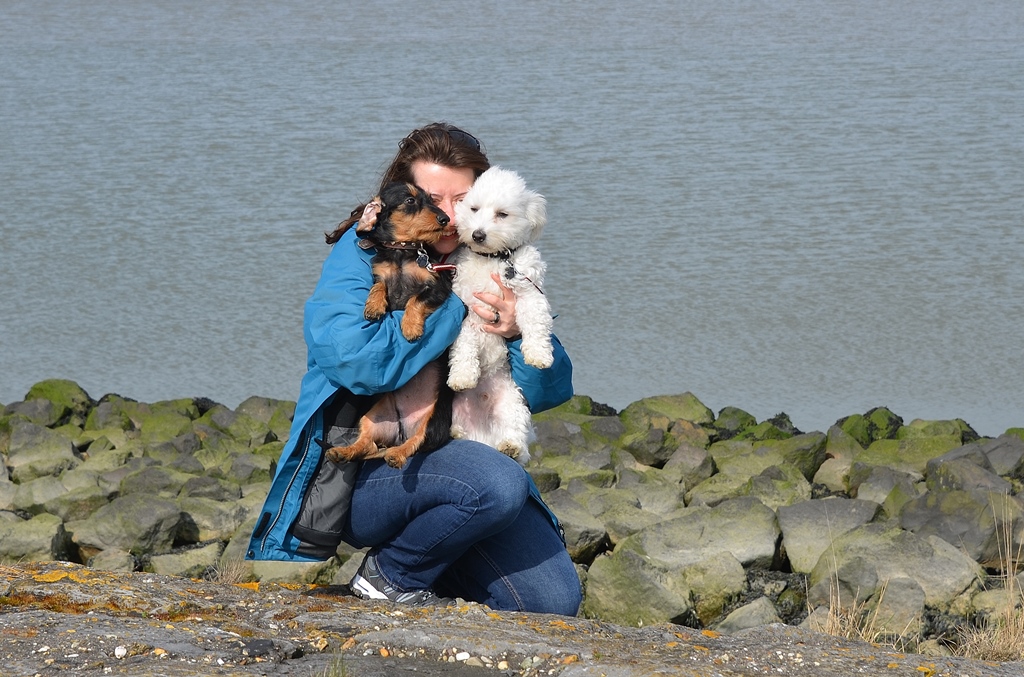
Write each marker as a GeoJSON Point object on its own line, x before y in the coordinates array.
{"type": "Point", "coordinates": [498, 311]}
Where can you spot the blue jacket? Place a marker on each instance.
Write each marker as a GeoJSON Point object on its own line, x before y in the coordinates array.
{"type": "Point", "coordinates": [349, 356]}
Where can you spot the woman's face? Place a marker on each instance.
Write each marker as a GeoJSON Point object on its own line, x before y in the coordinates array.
{"type": "Point", "coordinates": [446, 187]}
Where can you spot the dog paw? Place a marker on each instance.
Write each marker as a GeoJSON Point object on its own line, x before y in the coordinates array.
{"type": "Point", "coordinates": [457, 432]}
{"type": "Point", "coordinates": [461, 382]}
{"type": "Point", "coordinates": [395, 459]}
{"type": "Point", "coordinates": [412, 330]}
{"type": "Point", "coordinates": [341, 454]}
{"type": "Point", "coordinates": [514, 450]}
{"type": "Point", "coordinates": [538, 358]}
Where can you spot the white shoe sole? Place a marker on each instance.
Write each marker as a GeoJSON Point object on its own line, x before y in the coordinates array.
{"type": "Point", "coordinates": [364, 589]}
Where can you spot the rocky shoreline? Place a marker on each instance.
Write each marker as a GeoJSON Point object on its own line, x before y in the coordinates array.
{"type": "Point", "coordinates": [678, 519]}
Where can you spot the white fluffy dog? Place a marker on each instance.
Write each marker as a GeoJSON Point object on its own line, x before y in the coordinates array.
{"type": "Point", "coordinates": [498, 221]}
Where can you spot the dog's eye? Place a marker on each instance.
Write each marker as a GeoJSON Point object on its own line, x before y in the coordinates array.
{"type": "Point", "coordinates": [501, 215]}
{"type": "Point", "coordinates": [410, 200]}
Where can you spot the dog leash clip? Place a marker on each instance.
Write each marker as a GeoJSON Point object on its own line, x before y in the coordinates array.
{"type": "Point", "coordinates": [422, 260]}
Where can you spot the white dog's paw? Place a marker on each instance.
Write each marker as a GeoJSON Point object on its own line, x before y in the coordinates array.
{"type": "Point", "coordinates": [457, 431]}
{"type": "Point", "coordinates": [460, 381]}
{"type": "Point", "coordinates": [515, 450]}
{"type": "Point", "coordinates": [538, 357]}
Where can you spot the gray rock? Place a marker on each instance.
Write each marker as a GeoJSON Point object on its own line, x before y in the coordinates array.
{"type": "Point", "coordinates": [743, 527]}
{"type": "Point", "coordinates": [191, 563]}
{"type": "Point", "coordinates": [36, 451]}
{"type": "Point", "coordinates": [875, 483]}
{"type": "Point", "coordinates": [136, 523]}
{"type": "Point", "coordinates": [898, 609]}
{"type": "Point", "coordinates": [38, 539]}
{"type": "Point", "coordinates": [585, 535]}
{"type": "Point", "coordinates": [211, 487]}
{"type": "Point", "coordinates": [758, 613]}
{"type": "Point", "coordinates": [864, 558]}
{"type": "Point", "coordinates": [32, 496]}
{"type": "Point", "coordinates": [809, 528]}
{"type": "Point", "coordinates": [971, 521]}
{"type": "Point", "coordinates": [964, 473]}
{"type": "Point", "coordinates": [113, 560]}
{"type": "Point", "coordinates": [628, 588]}
{"type": "Point", "coordinates": [204, 519]}
{"type": "Point", "coordinates": [1006, 455]}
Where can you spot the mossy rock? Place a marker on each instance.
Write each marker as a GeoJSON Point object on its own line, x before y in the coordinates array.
{"type": "Point", "coordinates": [277, 414]}
{"type": "Point", "coordinates": [685, 407]}
{"type": "Point", "coordinates": [112, 411]}
{"type": "Point", "coordinates": [920, 428]}
{"type": "Point", "coordinates": [625, 588]}
{"type": "Point", "coordinates": [70, 399]}
{"type": "Point", "coordinates": [238, 426]}
{"type": "Point", "coordinates": [732, 421]}
{"type": "Point", "coordinates": [908, 454]}
{"type": "Point", "coordinates": [877, 424]}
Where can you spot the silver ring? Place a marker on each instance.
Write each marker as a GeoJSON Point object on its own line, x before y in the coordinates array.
{"type": "Point", "coordinates": [497, 317]}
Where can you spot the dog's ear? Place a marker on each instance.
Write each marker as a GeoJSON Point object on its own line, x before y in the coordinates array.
{"type": "Point", "coordinates": [536, 212]}
{"type": "Point", "coordinates": [369, 218]}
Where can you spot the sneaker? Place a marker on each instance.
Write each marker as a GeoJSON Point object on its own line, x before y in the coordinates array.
{"type": "Point", "coordinates": [369, 584]}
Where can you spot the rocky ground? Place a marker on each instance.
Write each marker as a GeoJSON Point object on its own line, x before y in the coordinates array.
{"type": "Point", "coordinates": [61, 617]}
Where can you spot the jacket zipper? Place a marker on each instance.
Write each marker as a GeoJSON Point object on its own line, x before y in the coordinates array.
{"type": "Point", "coordinates": [291, 482]}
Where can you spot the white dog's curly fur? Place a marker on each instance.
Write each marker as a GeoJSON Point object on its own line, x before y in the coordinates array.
{"type": "Point", "coordinates": [498, 221]}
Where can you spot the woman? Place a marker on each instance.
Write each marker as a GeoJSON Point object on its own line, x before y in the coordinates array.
{"type": "Point", "coordinates": [461, 521]}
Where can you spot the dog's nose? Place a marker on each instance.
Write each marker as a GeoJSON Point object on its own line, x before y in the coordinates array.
{"type": "Point", "coordinates": [479, 236]}
{"type": "Point", "coordinates": [443, 219]}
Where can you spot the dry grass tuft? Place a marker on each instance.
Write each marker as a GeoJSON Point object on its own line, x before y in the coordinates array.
{"type": "Point", "coordinates": [231, 571]}
{"type": "Point", "coordinates": [1001, 637]}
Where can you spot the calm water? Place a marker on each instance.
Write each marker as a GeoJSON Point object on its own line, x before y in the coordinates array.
{"type": "Point", "coordinates": [782, 206]}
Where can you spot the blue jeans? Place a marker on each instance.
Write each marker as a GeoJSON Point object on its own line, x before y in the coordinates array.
{"type": "Point", "coordinates": [459, 520]}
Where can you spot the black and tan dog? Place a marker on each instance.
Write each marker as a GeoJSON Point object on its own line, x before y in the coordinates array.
{"type": "Point", "coordinates": [399, 224]}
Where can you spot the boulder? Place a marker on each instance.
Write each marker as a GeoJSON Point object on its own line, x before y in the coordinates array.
{"type": "Point", "coordinates": [656, 426]}
{"type": "Point", "coordinates": [898, 608]}
{"type": "Point", "coordinates": [40, 538]}
{"type": "Point", "coordinates": [1006, 455]}
{"type": "Point", "coordinates": [877, 424]}
{"type": "Point", "coordinates": [749, 458]}
{"type": "Point", "coordinates": [910, 454]}
{"type": "Point", "coordinates": [204, 519]}
{"type": "Point", "coordinates": [276, 414]}
{"type": "Point", "coordinates": [732, 421]}
{"type": "Point", "coordinates": [71, 402]}
{"type": "Point", "coordinates": [36, 451]}
{"type": "Point", "coordinates": [585, 535]}
{"type": "Point", "coordinates": [113, 560]}
{"type": "Point", "coordinates": [778, 485]}
{"type": "Point", "coordinates": [238, 426]}
{"type": "Point", "coordinates": [758, 613]}
{"type": "Point", "coordinates": [191, 562]}
{"type": "Point", "coordinates": [626, 588]}
{"type": "Point", "coordinates": [809, 528]}
{"type": "Point", "coordinates": [743, 527]}
{"type": "Point", "coordinates": [863, 559]}
{"type": "Point", "coordinates": [972, 521]}
{"type": "Point", "coordinates": [137, 523]}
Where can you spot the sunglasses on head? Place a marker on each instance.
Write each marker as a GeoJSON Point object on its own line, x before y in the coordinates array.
{"type": "Point", "coordinates": [459, 136]}
{"type": "Point", "coordinates": [463, 137]}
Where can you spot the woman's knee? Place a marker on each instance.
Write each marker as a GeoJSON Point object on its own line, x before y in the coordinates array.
{"type": "Point", "coordinates": [498, 484]}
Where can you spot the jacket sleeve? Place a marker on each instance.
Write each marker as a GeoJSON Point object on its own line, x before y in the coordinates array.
{"type": "Point", "coordinates": [542, 388]}
{"type": "Point", "coordinates": [368, 357]}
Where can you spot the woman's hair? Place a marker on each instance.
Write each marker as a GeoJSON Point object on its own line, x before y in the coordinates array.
{"type": "Point", "coordinates": [437, 143]}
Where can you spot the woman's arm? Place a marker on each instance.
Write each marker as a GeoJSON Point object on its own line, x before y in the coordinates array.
{"type": "Point", "coordinates": [542, 388]}
{"type": "Point", "coordinates": [368, 357]}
